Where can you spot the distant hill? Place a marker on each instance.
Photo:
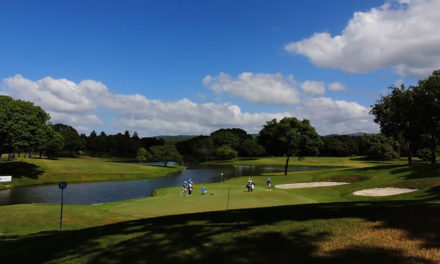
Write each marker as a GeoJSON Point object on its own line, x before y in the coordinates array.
{"type": "Point", "coordinates": [177, 138]}
{"type": "Point", "coordinates": [357, 134]}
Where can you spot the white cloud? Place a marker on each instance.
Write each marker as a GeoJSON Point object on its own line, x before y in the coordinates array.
{"type": "Point", "coordinates": [313, 88]}
{"type": "Point", "coordinates": [270, 89]}
{"type": "Point", "coordinates": [402, 34]}
{"type": "Point", "coordinates": [330, 116]}
{"type": "Point", "coordinates": [337, 86]}
{"type": "Point", "coordinates": [77, 104]}
{"type": "Point", "coordinates": [85, 101]}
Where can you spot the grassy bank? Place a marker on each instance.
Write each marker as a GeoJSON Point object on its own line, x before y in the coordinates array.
{"type": "Point", "coordinates": [82, 169]}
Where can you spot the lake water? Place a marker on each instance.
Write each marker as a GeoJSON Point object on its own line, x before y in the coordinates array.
{"type": "Point", "coordinates": [111, 191]}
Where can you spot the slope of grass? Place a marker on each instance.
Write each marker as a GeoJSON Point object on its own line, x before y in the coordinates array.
{"type": "Point", "coordinates": [81, 169]}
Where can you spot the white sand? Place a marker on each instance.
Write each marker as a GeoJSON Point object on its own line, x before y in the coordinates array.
{"type": "Point", "coordinates": [308, 185]}
{"type": "Point", "coordinates": [383, 191]}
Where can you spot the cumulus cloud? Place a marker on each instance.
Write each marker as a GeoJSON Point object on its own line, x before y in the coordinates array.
{"type": "Point", "coordinates": [402, 34]}
{"type": "Point", "coordinates": [270, 89]}
{"type": "Point", "coordinates": [77, 105]}
{"type": "Point", "coordinates": [337, 86]}
{"type": "Point", "coordinates": [313, 88]}
{"type": "Point", "coordinates": [82, 104]}
{"type": "Point", "coordinates": [330, 116]}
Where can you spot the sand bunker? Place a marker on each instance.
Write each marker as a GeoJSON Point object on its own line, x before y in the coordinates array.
{"type": "Point", "coordinates": [308, 185]}
{"type": "Point", "coordinates": [383, 191]}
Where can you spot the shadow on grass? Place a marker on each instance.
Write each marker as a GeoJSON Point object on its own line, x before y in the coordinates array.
{"type": "Point", "coordinates": [262, 235]}
{"type": "Point", "coordinates": [20, 169]}
{"type": "Point", "coordinates": [418, 171]}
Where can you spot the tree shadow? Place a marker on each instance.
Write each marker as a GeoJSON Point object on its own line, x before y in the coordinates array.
{"type": "Point", "coordinates": [418, 171]}
{"type": "Point", "coordinates": [237, 236]}
{"type": "Point", "coordinates": [380, 167]}
{"type": "Point", "coordinates": [20, 169]}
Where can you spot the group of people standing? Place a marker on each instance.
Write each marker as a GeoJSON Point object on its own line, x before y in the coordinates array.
{"type": "Point", "coordinates": [251, 185]}
{"type": "Point", "coordinates": [187, 188]}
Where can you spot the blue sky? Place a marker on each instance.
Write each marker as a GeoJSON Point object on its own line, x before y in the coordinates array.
{"type": "Point", "coordinates": [191, 67]}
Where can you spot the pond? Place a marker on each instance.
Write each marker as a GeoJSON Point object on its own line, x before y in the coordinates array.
{"type": "Point", "coordinates": [112, 191]}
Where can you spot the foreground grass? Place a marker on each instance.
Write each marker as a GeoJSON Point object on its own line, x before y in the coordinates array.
{"type": "Point", "coordinates": [364, 232]}
{"type": "Point", "coordinates": [82, 169]}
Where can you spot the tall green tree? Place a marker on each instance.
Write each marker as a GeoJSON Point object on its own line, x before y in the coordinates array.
{"type": "Point", "coordinates": [72, 141]}
{"type": "Point", "coordinates": [250, 148]}
{"type": "Point", "coordinates": [225, 152]}
{"type": "Point", "coordinates": [143, 155]}
{"type": "Point", "coordinates": [53, 144]}
{"type": "Point", "coordinates": [398, 116]}
{"type": "Point", "coordinates": [166, 153]}
{"type": "Point", "coordinates": [427, 98]}
{"type": "Point", "coordinates": [289, 137]}
{"type": "Point", "coordinates": [380, 147]}
{"type": "Point", "coordinates": [21, 124]}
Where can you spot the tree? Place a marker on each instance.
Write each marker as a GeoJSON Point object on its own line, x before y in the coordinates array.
{"type": "Point", "coordinates": [289, 137]}
{"type": "Point", "coordinates": [21, 123]}
{"type": "Point", "coordinates": [54, 143]}
{"type": "Point", "coordinates": [225, 152]}
{"type": "Point", "coordinates": [202, 147]}
{"type": "Point", "coordinates": [166, 153]}
{"type": "Point", "coordinates": [380, 147]}
{"type": "Point", "coordinates": [143, 155]}
{"type": "Point", "coordinates": [427, 98]}
{"type": "Point", "coordinates": [92, 142]}
{"type": "Point", "coordinates": [250, 148]}
{"type": "Point", "coordinates": [72, 141]}
{"type": "Point", "coordinates": [398, 117]}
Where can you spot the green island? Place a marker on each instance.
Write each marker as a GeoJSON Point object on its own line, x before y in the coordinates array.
{"type": "Point", "coordinates": [309, 225]}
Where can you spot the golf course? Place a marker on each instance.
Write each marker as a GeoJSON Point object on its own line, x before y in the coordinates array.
{"type": "Point", "coordinates": [230, 224]}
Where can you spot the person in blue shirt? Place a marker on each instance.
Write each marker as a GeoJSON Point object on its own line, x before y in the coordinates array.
{"type": "Point", "coordinates": [268, 184]}
{"type": "Point", "coordinates": [184, 185]}
{"type": "Point", "coordinates": [204, 190]}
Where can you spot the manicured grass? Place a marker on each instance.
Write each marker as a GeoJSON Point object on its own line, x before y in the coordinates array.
{"type": "Point", "coordinates": [168, 202]}
{"type": "Point", "coordinates": [311, 225]}
{"type": "Point", "coordinates": [44, 171]}
{"type": "Point", "coordinates": [358, 162]}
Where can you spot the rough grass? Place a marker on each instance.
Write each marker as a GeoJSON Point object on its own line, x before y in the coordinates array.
{"type": "Point", "coordinates": [44, 171]}
{"type": "Point", "coordinates": [392, 232]}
